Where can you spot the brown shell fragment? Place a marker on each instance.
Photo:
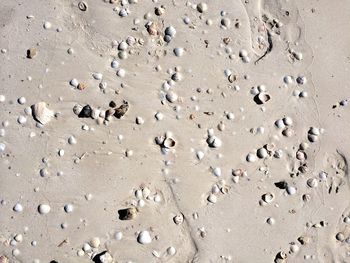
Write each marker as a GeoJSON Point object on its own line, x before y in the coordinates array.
{"type": "Point", "coordinates": [152, 28]}
{"type": "Point", "coordinates": [81, 86]}
{"type": "Point", "coordinates": [127, 213]}
{"type": "Point", "coordinates": [121, 110]}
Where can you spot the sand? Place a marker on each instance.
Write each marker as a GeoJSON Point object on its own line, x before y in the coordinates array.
{"type": "Point", "coordinates": [178, 157]}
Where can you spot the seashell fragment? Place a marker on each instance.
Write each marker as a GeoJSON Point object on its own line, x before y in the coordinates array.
{"type": "Point", "coordinates": [144, 237]}
{"type": "Point", "coordinates": [268, 197]}
{"type": "Point", "coordinates": [127, 213]}
{"type": "Point", "coordinates": [169, 143]}
{"type": "Point", "coordinates": [82, 6]}
{"type": "Point", "coordinates": [41, 113]}
{"type": "Point", "coordinates": [261, 98]}
{"type": "Point", "coordinates": [121, 110]}
{"type": "Point", "coordinates": [31, 53]}
{"type": "Point", "coordinates": [44, 209]}
{"type": "Point", "coordinates": [171, 96]}
{"type": "Point", "coordinates": [95, 242]}
{"type": "Point", "coordinates": [214, 142]}
{"type": "Point", "coordinates": [103, 257]}
{"type": "Point", "coordinates": [178, 219]}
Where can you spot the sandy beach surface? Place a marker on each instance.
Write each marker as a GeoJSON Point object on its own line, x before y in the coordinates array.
{"type": "Point", "coordinates": [139, 131]}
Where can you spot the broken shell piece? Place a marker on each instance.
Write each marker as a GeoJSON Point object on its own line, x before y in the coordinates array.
{"type": "Point", "coordinates": [144, 238]}
{"type": "Point", "coordinates": [127, 213]}
{"type": "Point", "coordinates": [103, 257]}
{"type": "Point", "coordinates": [41, 113]}
{"type": "Point", "coordinates": [82, 6]}
{"type": "Point", "coordinates": [169, 142]}
{"type": "Point", "coordinates": [3, 259]}
{"type": "Point", "coordinates": [214, 142]}
{"type": "Point", "coordinates": [31, 53]}
{"type": "Point", "coordinates": [81, 86]}
{"type": "Point", "coordinates": [178, 219]}
{"type": "Point", "coordinates": [171, 96]}
{"type": "Point", "coordinates": [121, 110]}
{"type": "Point", "coordinates": [261, 98]}
{"type": "Point", "coordinates": [212, 198]}
{"type": "Point", "coordinates": [268, 197]}
{"type": "Point", "coordinates": [152, 28]}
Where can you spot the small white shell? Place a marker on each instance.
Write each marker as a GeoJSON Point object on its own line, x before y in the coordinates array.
{"type": "Point", "coordinates": [280, 124]}
{"type": "Point", "coordinates": [74, 83]}
{"type": "Point", "coordinates": [251, 157]}
{"type": "Point", "coordinates": [118, 236]}
{"type": "Point", "coordinates": [95, 242]}
{"type": "Point", "coordinates": [212, 198]}
{"type": "Point", "coordinates": [68, 208]}
{"type": "Point", "coordinates": [179, 51]}
{"type": "Point", "coordinates": [114, 64]}
{"type": "Point", "coordinates": [171, 251]}
{"type": "Point", "coordinates": [268, 197]}
{"type": "Point", "coordinates": [217, 171]}
{"type": "Point", "coordinates": [144, 237]}
{"type": "Point", "coordinates": [291, 190]}
{"type": "Point", "coordinates": [44, 209]}
{"type": "Point", "coordinates": [18, 208]}
{"type": "Point", "coordinates": [287, 121]}
{"type": "Point", "coordinates": [171, 96]}
{"type": "Point", "coordinates": [169, 142]}
{"type": "Point", "coordinates": [170, 31]}
{"type": "Point", "coordinates": [314, 131]}
{"type": "Point", "coordinates": [41, 113]}
{"type": "Point", "coordinates": [214, 142]}
{"type": "Point", "coordinates": [262, 153]}
{"type": "Point", "coordinates": [97, 76]}
{"type": "Point", "coordinates": [312, 182]}
{"type": "Point", "coordinates": [72, 140]}
{"type": "Point", "coordinates": [200, 155]}
{"type": "Point", "coordinates": [178, 219]}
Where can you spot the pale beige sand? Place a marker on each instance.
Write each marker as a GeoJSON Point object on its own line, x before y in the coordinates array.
{"type": "Point", "coordinates": [234, 228]}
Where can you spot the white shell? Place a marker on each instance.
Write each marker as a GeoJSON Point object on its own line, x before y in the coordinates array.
{"type": "Point", "coordinates": [262, 153]}
{"type": "Point", "coordinates": [41, 113]}
{"type": "Point", "coordinates": [312, 182]}
{"type": "Point", "coordinates": [114, 64]}
{"type": "Point", "coordinates": [72, 140]}
{"type": "Point", "coordinates": [171, 96]}
{"type": "Point", "coordinates": [74, 83]}
{"type": "Point", "coordinates": [280, 124]}
{"type": "Point", "coordinates": [214, 142]}
{"type": "Point", "coordinates": [18, 208]}
{"type": "Point", "coordinates": [171, 251]}
{"type": "Point", "coordinates": [268, 197]}
{"type": "Point", "coordinates": [118, 236]}
{"type": "Point", "coordinates": [44, 209]}
{"type": "Point", "coordinates": [287, 121]}
{"type": "Point", "coordinates": [178, 219]}
{"type": "Point", "coordinates": [68, 208]}
{"type": "Point", "coordinates": [251, 157]}
{"type": "Point", "coordinates": [144, 237]}
{"type": "Point", "coordinates": [97, 76]}
{"type": "Point", "coordinates": [200, 155]}
{"type": "Point", "coordinates": [179, 51]}
{"type": "Point", "coordinates": [291, 190]}
{"type": "Point", "coordinates": [314, 131]}
{"type": "Point", "coordinates": [95, 242]}
{"type": "Point", "coordinates": [217, 171]}
{"type": "Point", "coordinates": [212, 198]}
{"type": "Point", "coordinates": [170, 31]}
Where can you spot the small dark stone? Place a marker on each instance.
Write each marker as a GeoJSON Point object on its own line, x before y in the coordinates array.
{"type": "Point", "coordinates": [281, 185]}
{"type": "Point", "coordinates": [85, 112]}
{"type": "Point", "coordinates": [53, 261]}
{"type": "Point", "coordinates": [112, 104]}
{"type": "Point", "coordinates": [121, 110]}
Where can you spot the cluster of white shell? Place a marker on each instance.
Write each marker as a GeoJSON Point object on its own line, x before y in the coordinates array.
{"type": "Point", "coordinates": [144, 195]}
{"type": "Point", "coordinates": [260, 94]}
{"type": "Point", "coordinates": [166, 142]}
{"type": "Point", "coordinates": [285, 124]}
{"type": "Point", "coordinates": [314, 133]}
{"type": "Point", "coordinates": [268, 150]}
{"type": "Point", "coordinates": [217, 189]}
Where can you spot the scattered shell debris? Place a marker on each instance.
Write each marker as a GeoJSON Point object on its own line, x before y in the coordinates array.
{"type": "Point", "coordinates": [173, 131]}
